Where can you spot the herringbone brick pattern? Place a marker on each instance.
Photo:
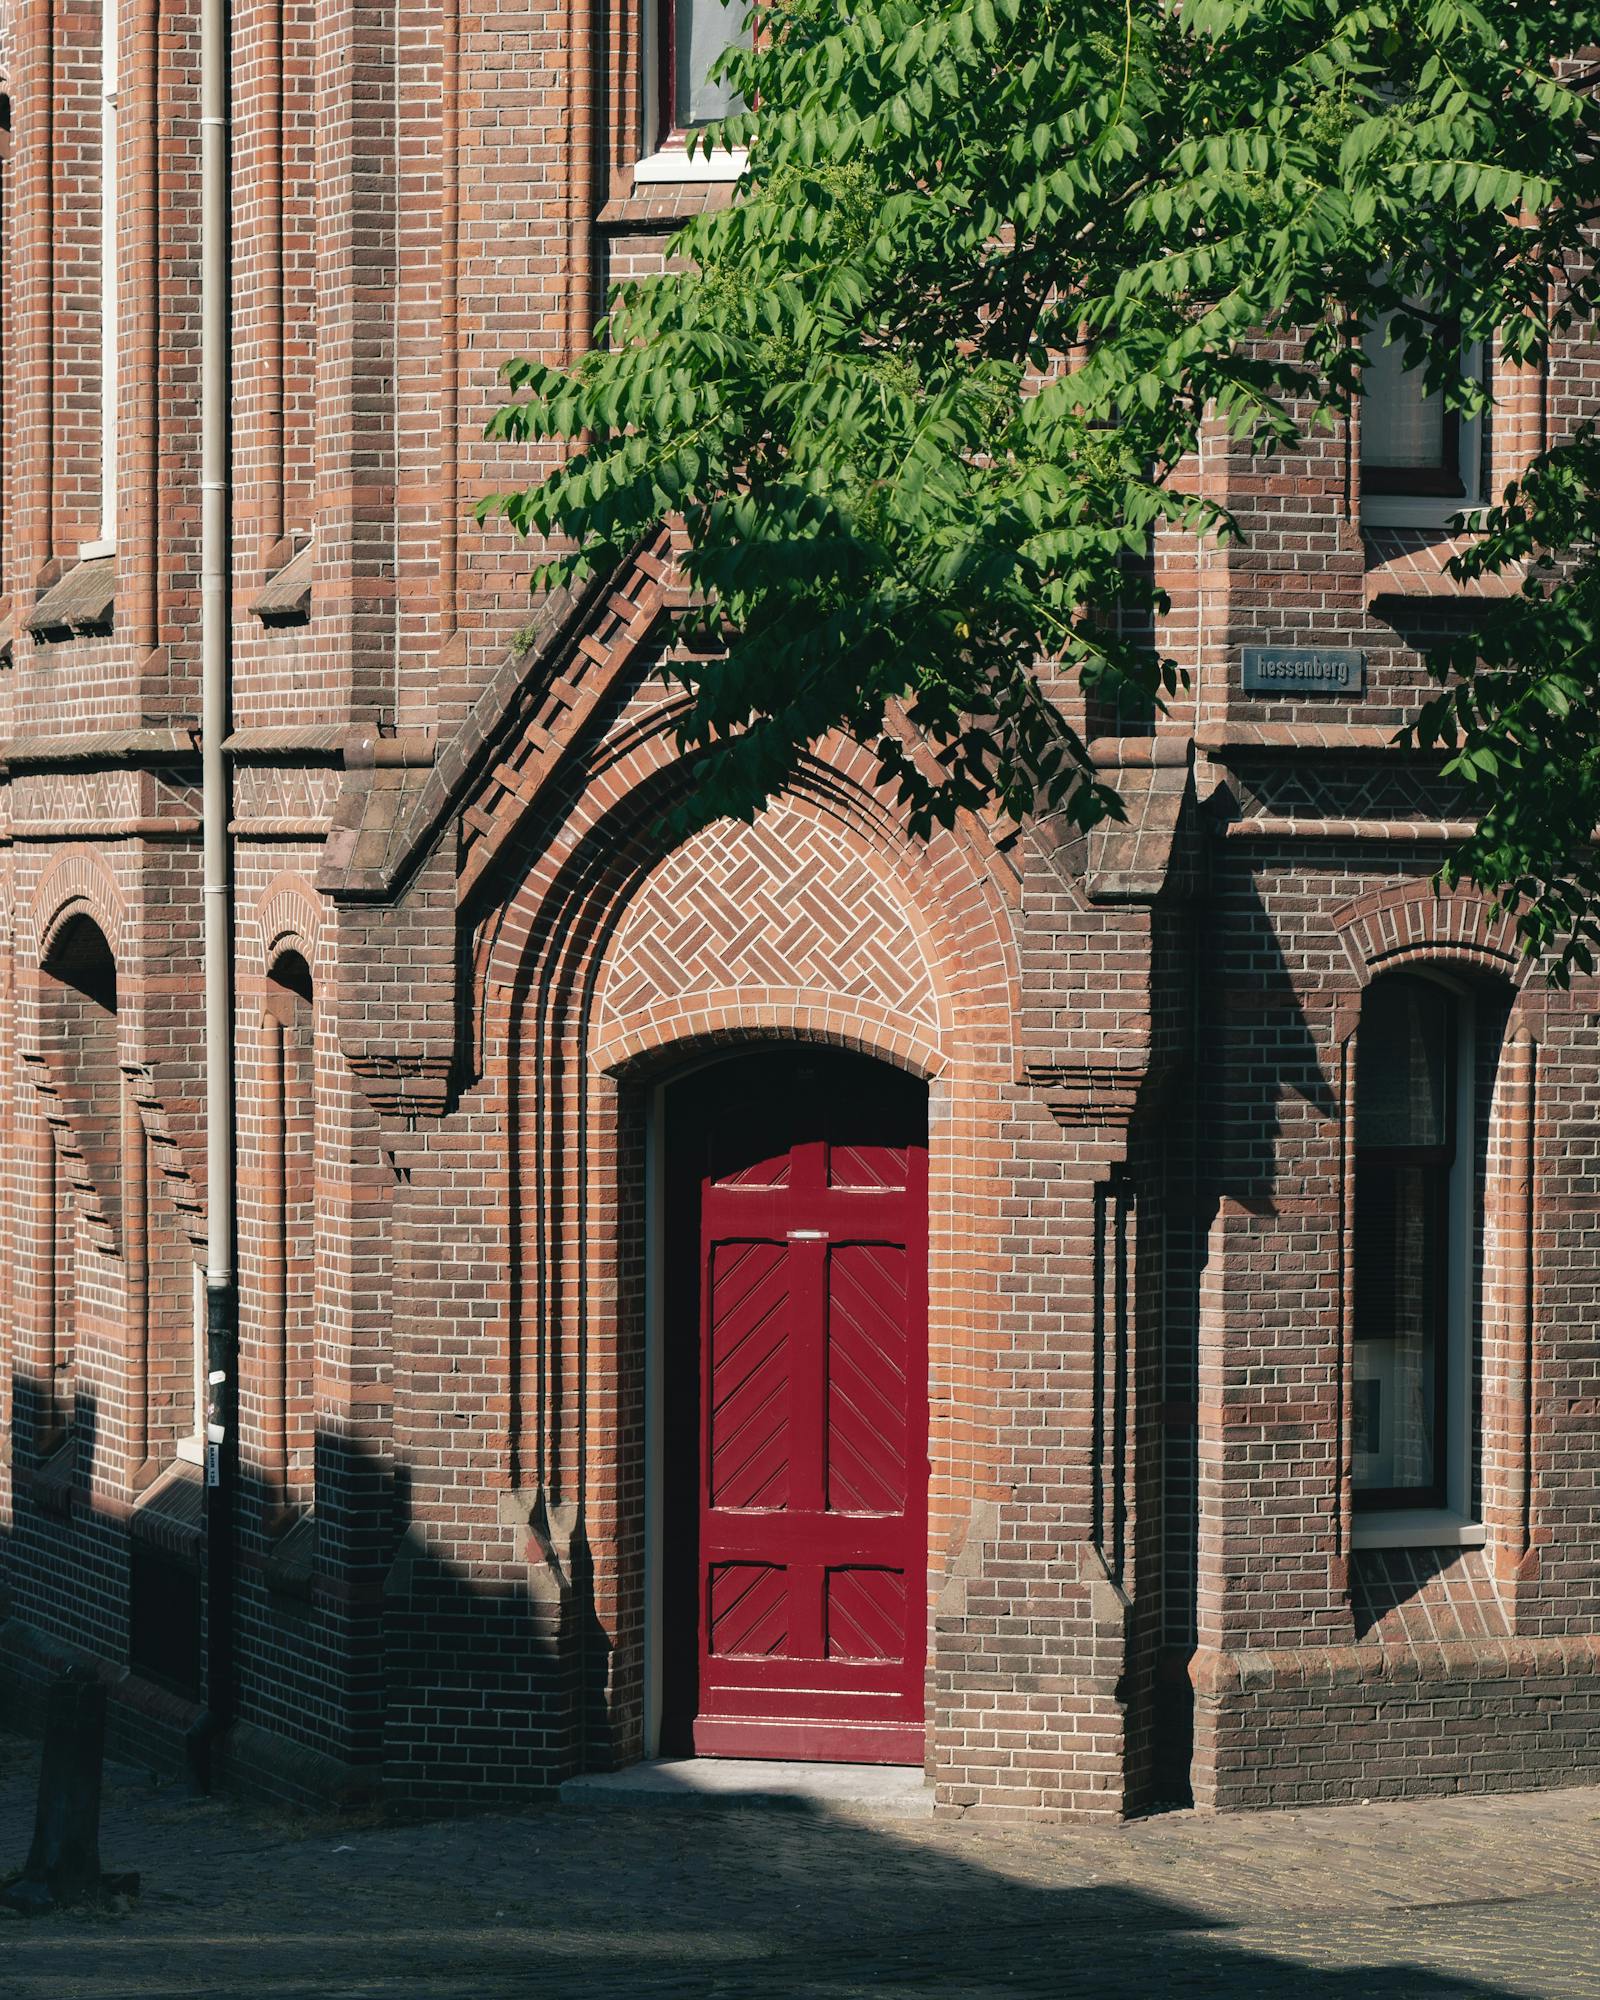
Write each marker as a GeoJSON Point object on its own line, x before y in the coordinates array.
{"type": "Point", "coordinates": [789, 904]}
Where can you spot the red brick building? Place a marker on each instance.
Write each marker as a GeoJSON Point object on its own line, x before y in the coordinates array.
{"type": "Point", "coordinates": [1108, 1318]}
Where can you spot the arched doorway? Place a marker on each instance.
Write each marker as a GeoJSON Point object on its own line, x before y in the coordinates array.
{"type": "Point", "coordinates": [794, 1409]}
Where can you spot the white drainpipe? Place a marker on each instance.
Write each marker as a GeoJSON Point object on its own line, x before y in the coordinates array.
{"type": "Point", "coordinates": [222, 1341]}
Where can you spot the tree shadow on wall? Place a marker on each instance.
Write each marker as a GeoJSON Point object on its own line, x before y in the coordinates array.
{"type": "Point", "coordinates": [1258, 1125]}
{"type": "Point", "coordinates": [465, 1683]}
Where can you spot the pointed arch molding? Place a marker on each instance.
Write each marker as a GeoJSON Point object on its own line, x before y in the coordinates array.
{"type": "Point", "coordinates": [429, 858]}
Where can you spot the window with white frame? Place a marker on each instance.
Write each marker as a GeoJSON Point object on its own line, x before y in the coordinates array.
{"type": "Point", "coordinates": [1416, 1204]}
{"type": "Point", "coordinates": [1421, 461]}
{"type": "Point", "coordinates": [108, 282]}
{"type": "Point", "coordinates": [683, 40]}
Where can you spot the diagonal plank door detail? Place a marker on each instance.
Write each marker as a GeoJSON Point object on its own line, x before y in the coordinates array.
{"type": "Point", "coordinates": [810, 1181]}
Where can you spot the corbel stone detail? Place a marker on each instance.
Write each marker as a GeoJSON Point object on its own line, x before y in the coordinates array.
{"type": "Point", "coordinates": [96, 1205]}
{"type": "Point", "coordinates": [166, 1152]}
{"type": "Point", "coordinates": [1088, 1094]}
{"type": "Point", "coordinates": [548, 1534]}
{"type": "Point", "coordinates": [1125, 878]}
{"type": "Point", "coordinates": [1137, 859]}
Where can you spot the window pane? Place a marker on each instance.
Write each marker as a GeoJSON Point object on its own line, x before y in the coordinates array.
{"type": "Point", "coordinates": [1403, 1065]}
{"type": "Point", "coordinates": [703, 28]}
{"type": "Point", "coordinates": [1401, 1224]}
{"type": "Point", "coordinates": [1401, 428]}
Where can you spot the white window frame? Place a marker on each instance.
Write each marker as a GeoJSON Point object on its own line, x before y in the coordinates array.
{"type": "Point", "coordinates": [672, 161]}
{"type": "Point", "coordinates": [1454, 1524]}
{"type": "Point", "coordinates": [106, 543]}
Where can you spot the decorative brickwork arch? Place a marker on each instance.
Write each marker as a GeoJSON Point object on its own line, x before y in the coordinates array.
{"type": "Point", "coordinates": [677, 1029]}
{"type": "Point", "coordinates": [580, 1011]}
{"type": "Point", "coordinates": [1413, 921]}
{"type": "Point", "coordinates": [636, 773]}
{"type": "Point", "coordinates": [789, 922]}
{"type": "Point", "coordinates": [288, 917]}
{"type": "Point", "coordinates": [558, 758]}
{"type": "Point", "coordinates": [78, 884]}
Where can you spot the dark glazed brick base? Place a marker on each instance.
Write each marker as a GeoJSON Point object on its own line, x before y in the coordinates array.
{"type": "Point", "coordinates": [1398, 1723]}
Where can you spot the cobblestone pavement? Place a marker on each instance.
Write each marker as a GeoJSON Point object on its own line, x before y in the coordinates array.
{"type": "Point", "coordinates": [1439, 1901]}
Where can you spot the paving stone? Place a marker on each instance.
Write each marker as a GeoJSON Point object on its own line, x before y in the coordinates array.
{"type": "Point", "coordinates": [1481, 1899]}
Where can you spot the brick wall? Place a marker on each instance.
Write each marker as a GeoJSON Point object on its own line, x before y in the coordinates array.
{"type": "Point", "coordinates": [466, 960]}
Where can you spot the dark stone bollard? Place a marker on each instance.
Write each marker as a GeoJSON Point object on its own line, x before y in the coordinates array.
{"type": "Point", "coordinates": [63, 1863]}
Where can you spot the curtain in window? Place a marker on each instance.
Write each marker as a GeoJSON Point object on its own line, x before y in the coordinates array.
{"type": "Point", "coordinates": [1401, 1224]}
{"type": "Point", "coordinates": [1400, 427]}
{"type": "Point", "coordinates": [704, 28]}
{"type": "Point", "coordinates": [1403, 1073]}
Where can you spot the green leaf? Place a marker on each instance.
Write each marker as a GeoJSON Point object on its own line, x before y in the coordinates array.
{"type": "Point", "coordinates": [924, 392]}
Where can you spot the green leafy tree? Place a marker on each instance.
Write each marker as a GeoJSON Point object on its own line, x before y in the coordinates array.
{"type": "Point", "coordinates": [924, 388]}
{"type": "Point", "coordinates": [1519, 713]}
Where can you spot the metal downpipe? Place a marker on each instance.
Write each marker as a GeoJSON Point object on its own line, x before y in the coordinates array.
{"type": "Point", "coordinates": [222, 1309]}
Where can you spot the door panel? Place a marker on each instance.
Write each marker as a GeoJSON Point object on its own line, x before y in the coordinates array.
{"type": "Point", "coordinates": [867, 1386]}
{"type": "Point", "coordinates": [798, 1293]}
{"type": "Point", "coordinates": [749, 1610]}
{"type": "Point", "coordinates": [749, 1376]}
{"type": "Point", "coordinates": [866, 1614]}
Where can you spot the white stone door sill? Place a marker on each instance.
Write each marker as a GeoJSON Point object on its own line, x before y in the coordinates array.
{"type": "Point", "coordinates": [896, 1791]}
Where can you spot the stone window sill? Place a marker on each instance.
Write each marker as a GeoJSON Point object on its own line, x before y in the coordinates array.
{"type": "Point", "coordinates": [171, 1511]}
{"type": "Point", "coordinates": [676, 163]}
{"type": "Point", "coordinates": [285, 599]}
{"type": "Point", "coordinates": [1418, 1528]}
{"type": "Point", "coordinates": [81, 604]}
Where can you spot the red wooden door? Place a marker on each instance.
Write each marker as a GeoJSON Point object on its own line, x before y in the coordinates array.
{"type": "Point", "coordinates": [809, 1313]}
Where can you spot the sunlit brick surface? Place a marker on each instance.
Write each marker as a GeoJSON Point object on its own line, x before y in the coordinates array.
{"type": "Point", "coordinates": [467, 953]}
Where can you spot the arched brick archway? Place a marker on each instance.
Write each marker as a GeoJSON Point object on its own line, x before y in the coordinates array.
{"type": "Point", "coordinates": [591, 990]}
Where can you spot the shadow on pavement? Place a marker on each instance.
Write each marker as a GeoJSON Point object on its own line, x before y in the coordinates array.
{"type": "Point", "coordinates": [614, 1902]}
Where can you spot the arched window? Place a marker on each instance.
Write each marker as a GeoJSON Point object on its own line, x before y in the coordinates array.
{"type": "Point", "coordinates": [288, 1287]}
{"type": "Point", "coordinates": [1416, 1209]}
{"type": "Point", "coordinates": [77, 1177]}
